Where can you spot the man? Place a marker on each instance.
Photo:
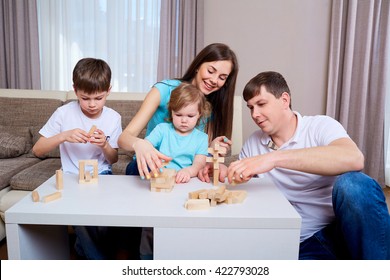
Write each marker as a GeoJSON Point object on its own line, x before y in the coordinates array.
{"type": "Point", "coordinates": [314, 162]}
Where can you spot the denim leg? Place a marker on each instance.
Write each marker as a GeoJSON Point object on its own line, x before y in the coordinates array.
{"type": "Point", "coordinates": [132, 168]}
{"type": "Point", "coordinates": [362, 216]}
{"type": "Point", "coordinates": [87, 242]}
{"type": "Point", "coordinates": [321, 246]}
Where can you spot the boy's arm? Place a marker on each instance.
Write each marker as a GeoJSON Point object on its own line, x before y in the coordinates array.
{"type": "Point", "coordinates": [47, 144]}
{"type": "Point", "coordinates": [110, 153]}
{"type": "Point", "coordinates": [100, 139]}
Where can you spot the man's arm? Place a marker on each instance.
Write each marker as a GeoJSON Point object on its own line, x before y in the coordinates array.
{"type": "Point", "coordinates": [340, 156]}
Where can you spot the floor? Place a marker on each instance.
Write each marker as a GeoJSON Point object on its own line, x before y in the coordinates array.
{"type": "Point", "coordinates": [73, 256]}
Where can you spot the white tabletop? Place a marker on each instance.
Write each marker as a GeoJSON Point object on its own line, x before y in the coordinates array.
{"type": "Point", "coordinates": [127, 201]}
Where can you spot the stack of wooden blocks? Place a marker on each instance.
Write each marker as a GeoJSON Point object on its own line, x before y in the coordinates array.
{"type": "Point", "coordinates": [203, 199]}
{"type": "Point", "coordinates": [164, 182]}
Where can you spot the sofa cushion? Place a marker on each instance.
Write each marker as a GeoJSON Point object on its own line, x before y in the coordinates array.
{"type": "Point", "coordinates": [34, 130]}
{"type": "Point", "coordinates": [119, 168]}
{"type": "Point", "coordinates": [32, 177]}
{"type": "Point", "coordinates": [22, 131]}
{"type": "Point", "coordinates": [11, 145]}
{"type": "Point", "coordinates": [11, 166]}
{"type": "Point", "coordinates": [127, 109]}
{"type": "Point", "coordinates": [9, 198]}
{"type": "Point", "coordinates": [26, 111]}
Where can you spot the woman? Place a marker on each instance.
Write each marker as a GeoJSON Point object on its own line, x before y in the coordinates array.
{"type": "Point", "coordinates": [214, 72]}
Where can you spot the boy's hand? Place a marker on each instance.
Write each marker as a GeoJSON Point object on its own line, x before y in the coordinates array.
{"type": "Point", "coordinates": [76, 135]}
{"type": "Point", "coordinates": [98, 138]}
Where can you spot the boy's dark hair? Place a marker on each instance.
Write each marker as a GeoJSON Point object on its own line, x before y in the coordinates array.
{"type": "Point", "coordinates": [186, 94]}
{"type": "Point", "coordinates": [91, 75]}
{"type": "Point", "coordinates": [273, 82]}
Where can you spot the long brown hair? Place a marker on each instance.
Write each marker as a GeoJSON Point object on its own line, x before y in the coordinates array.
{"type": "Point", "coordinates": [221, 121]}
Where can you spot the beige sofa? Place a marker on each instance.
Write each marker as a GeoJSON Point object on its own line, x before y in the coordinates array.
{"type": "Point", "coordinates": [24, 112]}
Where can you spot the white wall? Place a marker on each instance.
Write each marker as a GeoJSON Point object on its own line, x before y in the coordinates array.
{"type": "Point", "coordinates": [291, 37]}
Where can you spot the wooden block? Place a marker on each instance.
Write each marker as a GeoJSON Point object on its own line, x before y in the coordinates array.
{"type": "Point", "coordinates": [197, 204]}
{"type": "Point", "coordinates": [165, 180]}
{"type": "Point", "coordinates": [59, 180]}
{"type": "Point", "coordinates": [203, 195]}
{"type": "Point", "coordinates": [159, 180]}
{"type": "Point", "coordinates": [161, 189]}
{"type": "Point", "coordinates": [221, 194]}
{"type": "Point", "coordinates": [87, 176]}
{"type": "Point", "coordinates": [166, 185]}
{"type": "Point", "coordinates": [213, 203]}
{"type": "Point", "coordinates": [92, 130]}
{"type": "Point", "coordinates": [195, 194]}
{"type": "Point", "coordinates": [52, 197]}
{"type": "Point", "coordinates": [211, 194]}
{"type": "Point", "coordinates": [216, 177]}
{"type": "Point", "coordinates": [238, 196]}
{"type": "Point", "coordinates": [221, 189]}
{"type": "Point", "coordinates": [229, 198]}
{"type": "Point", "coordinates": [35, 196]}
{"type": "Point", "coordinates": [82, 172]}
{"type": "Point", "coordinates": [221, 197]}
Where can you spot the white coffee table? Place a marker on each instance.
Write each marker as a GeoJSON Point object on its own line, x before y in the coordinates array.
{"type": "Point", "coordinates": [264, 226]}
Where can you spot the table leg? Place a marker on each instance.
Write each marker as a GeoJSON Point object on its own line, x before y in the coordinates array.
{"type": "Point", "coordinates": [37, 242]}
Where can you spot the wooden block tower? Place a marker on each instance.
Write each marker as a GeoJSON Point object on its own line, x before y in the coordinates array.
{"type": "Point", "coordinates": [164, 182]}
{"type": "Point", "coordinates": [85, 176]}
{"type": "Point", "coordinates": [216, 159]}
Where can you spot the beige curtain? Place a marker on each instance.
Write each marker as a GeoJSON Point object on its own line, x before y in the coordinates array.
{"type": "Point", "coordinates": [181, 36]}
{"type": "Point", "coordinates": [359, 51]}
{"type": "Point", "coordinates": [19, 49]}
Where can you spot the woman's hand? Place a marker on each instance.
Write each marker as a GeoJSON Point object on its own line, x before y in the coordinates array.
{"type": "Point", "coordinates": [149, 160]}
{"type": "Point", "coordinates": [223, 142]}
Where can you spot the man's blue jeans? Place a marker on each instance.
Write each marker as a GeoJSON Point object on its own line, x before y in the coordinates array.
{"type": "Point", "coordinates": [362, 226]}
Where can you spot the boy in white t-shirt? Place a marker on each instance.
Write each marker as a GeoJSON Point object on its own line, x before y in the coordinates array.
{"type": "Point", "coordinates": [69, 128]}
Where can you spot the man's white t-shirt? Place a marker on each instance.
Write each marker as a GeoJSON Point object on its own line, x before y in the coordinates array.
{"type": "Point", "coordinates": [70, 116]}
{"type": "Point", "coordinates": [310, 194]}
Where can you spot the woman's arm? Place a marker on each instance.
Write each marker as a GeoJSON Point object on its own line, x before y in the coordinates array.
{"type": "Point", "coordinates": [130, 134]}
{"type": "Point", "coordinates": [147, 156]}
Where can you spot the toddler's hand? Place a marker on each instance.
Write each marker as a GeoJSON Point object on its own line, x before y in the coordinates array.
{"type": "Point", "coordinates": [183, 176]}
